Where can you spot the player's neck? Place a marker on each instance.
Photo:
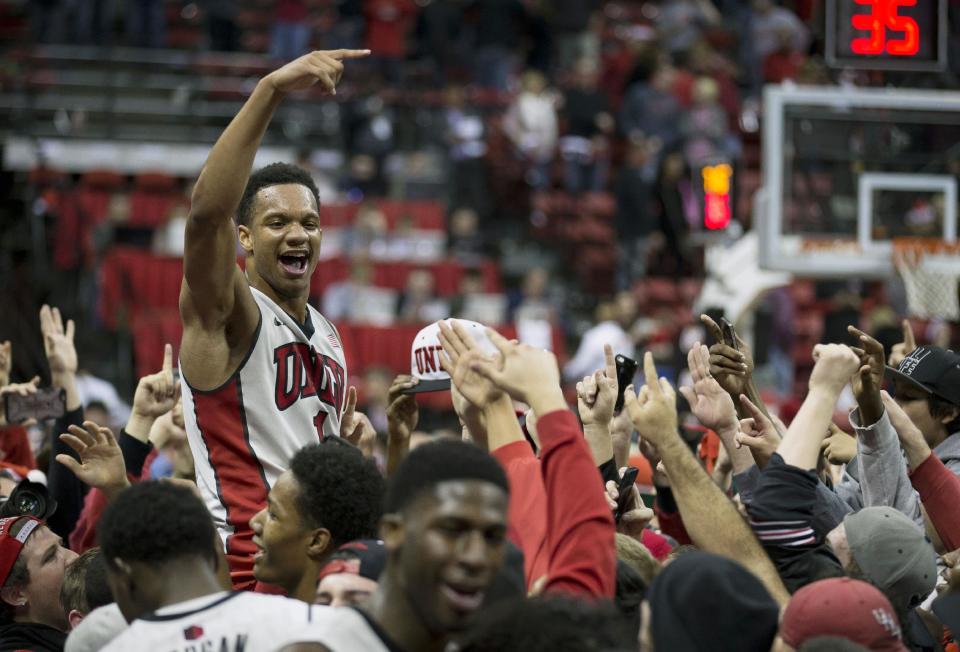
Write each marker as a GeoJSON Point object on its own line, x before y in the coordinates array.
{"type": "Point", "coordinates": [306, 590]}
{"type": "Point", "coordinates": [187, 579]}
{"type": "Point", "coordinates": [296, 307]}
{"type": "Point", "coordinates": [391, 609]}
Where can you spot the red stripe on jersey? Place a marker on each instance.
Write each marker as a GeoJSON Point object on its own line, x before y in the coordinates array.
{"type": "Point", "coordinates": [241, 483]}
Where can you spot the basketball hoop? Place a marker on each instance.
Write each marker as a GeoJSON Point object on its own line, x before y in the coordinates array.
{"type": "Point", "coordinates": [930, 269]}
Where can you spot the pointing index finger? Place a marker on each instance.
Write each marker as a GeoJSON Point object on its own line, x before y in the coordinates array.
{"type": "Point", "coordinates": [609, 361]}
{"type": "Point", "coordinates": [348, 54]}
{"type": "Point", "coordinates": [908, 340]}
{"type": "Point", "coordinates": [650, 374]}
{"type": "Point", "coordinates": [167, 357]}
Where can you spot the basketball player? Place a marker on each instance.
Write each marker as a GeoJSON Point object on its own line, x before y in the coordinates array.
{"type": "Point", "coordinates": [263, 373]}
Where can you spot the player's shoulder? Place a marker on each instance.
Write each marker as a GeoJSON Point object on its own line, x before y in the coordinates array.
{"type": "Point", "coordinates": [323, 323]}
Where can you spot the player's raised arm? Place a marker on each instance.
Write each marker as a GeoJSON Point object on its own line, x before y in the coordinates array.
{"type": "Point", "coordinates": [212, 280]}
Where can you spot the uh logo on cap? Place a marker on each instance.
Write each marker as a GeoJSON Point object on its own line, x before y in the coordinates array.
{"type": "Point", "coordinates": [910, 363]}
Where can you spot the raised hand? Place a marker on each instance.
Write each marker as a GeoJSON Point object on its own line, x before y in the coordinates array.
{"type": "Point", "coordinates": [834, 366]}
{"type": "Point", "coordinates": [22, 389]}
{"type": "Point", "coordinates": [58, 341]}
{"type": "Point", "coordinates": [654, 410]}
{"type": "Point", "coordinates": [321, 66]}
{"type": "Point", "coordinates": [596, 396]}
{"type": "Point", "coordinates": [157, 393]}
{"type": "Point", "coordinates": [733, 369]}
{"type": "Point", "coordinates": [460, 351]}
{"type": "Point", "coordinates": [758, 433]}
{"type": "Point", "coordinates": [6, 362]}
{"type": "Point", "coordinates": [403, 413]}
{"type": "Point", "coordinates": [636, 516]}
{"type": "Point", "coordinates": [709, 402]}
{"type": "Point", "coordinates": [525, 373]}
{"type": "Point", "coordinates": [351, 426]}
{"type": "Point", "coordinates": [868, 381]}
{"type": "Point", "coordinates": [839, 447]}
{"type": "Point", "coordinates": [101, 461]}
{"type": "Point", "coordinates": [904, 348]}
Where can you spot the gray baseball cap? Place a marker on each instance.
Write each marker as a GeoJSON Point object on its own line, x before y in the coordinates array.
{"type": "Point", "coordinates": [893, 553]}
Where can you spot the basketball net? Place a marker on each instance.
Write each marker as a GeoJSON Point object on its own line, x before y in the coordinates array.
{"type": "Point", "coordinates": [930, 270]}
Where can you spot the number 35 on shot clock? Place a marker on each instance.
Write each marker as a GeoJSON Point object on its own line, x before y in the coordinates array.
{"type": "Point", "coordinates": [887, 34]}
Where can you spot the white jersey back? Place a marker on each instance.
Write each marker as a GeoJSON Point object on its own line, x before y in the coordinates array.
{"type": "Point", "coordinates": [345, 629]}
{"type": "Point", "coordinates": [229, 622]}
{"type": "Point", "coordinates": [287, 393]}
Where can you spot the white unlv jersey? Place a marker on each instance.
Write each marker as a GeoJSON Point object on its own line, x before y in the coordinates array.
{"type": "Point", "coordinates": [229, 622]}
{"type": "Point", "coordinates": [288, 393]}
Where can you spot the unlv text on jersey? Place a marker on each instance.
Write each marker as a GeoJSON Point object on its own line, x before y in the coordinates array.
{"type": "Point", "coordinates": [302, 372]}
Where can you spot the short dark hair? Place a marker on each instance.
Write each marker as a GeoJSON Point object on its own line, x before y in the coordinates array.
{"type": "Point", "coordinates": [98, 589]}
{"type": "Point", "coordinates": [440, 461]}
{"type": "Point", "coordinates": [274, 174]}
{"type": "Point", "coordinates": [340, 490]}
{"type": "Point", "coordinates": [940, 409]}
{"type": "Point", "coordinates": [156, 522]}
{"type": "Point", "coordinates": [551, 624]}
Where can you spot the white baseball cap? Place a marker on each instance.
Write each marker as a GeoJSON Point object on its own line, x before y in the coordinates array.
{"type": "Point", "coordinates": [426, 351]}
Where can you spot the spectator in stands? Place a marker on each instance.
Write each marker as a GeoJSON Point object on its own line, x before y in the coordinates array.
{"type": "Point", "coordinates": [649, 106]}
{"type": "Point", "coordinates": [439, 34]}
{"type": "Point", "coordinates": [498, 31]}
{"type": "Point", "coordinates": [221, 23]}
{"type": "Point", "coordinates": [376, 388]}
{"type": "Point", "coordinates": [585, 149]}
{"type": "Point", "coordinates": [530, 123]}
{"type": "Point", "coordinates": [784, 63]}
{"type": "Point", "coordinates": [570, 28]}
{"type": "Point", "coordinates": [290, 37]}
{"type": "Point", "coordinates": [329, 496]}
{"type": "Point", "coordinates": [388, 24]}
{"type": "Point", "coordinates": [681, 22]}
{"type": "Point", "coordinates": [674, 201]}
{"type": "Point", "coordinates": [467, 151]}
{"type": "Point", "coordinates": [614, 320]}
{"type": "Point", "coordinates": [146, 23]}
{"type": "Point", "coordinates": [771, 27]}
{"type": "Point", "coordinates": [419, 303]}
{"type": "Point", "coordinates": [707, 137]}
{"type": "Point", "coordinates": [533, 302]}
{"type": "Point", "coordinates": [31, 616]}
{"type": "Point", "coordinates": [371, 139]}
{"type": "Point", "coordinates": [352, 574]}
{"type": "Point", "coordinates": [466, 241]}
{"type": "Point", "coordinates": [636, 217]}
{"type": "Point", "coordinates": [471, 285]}
{"type": "Point", "coordinates": [339, 299]}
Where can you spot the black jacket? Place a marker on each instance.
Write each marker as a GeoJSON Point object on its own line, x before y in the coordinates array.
{"type": "Point", "coordinates": [31, 636]}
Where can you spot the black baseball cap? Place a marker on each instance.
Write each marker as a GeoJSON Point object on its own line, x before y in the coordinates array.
{"type": "Point", "coordinates": [934, 370]}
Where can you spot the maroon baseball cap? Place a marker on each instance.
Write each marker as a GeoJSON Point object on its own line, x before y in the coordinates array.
{"type": "Point", "coordinates": [844, 607]}
{"type": "Point", "coordinates": [11, 544]}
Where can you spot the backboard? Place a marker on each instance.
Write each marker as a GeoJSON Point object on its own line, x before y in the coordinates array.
{"type": "Point", "coordinates": [847, 170]}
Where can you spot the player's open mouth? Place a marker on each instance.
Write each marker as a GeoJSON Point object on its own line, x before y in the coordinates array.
{"type": "Point", "coordinates": [294, 264]}
{"type": "Point", "coordinates": [463, 598]}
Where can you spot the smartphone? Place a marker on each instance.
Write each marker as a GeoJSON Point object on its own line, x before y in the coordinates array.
{"type": "Point", "coordinates": [45, 403]}
{"type": "Point", "coordinates": [626, 370]}
{"type": "Point", "coordinates": [625, 490]}
{"type": "Point", "coordinates": [729, 334]}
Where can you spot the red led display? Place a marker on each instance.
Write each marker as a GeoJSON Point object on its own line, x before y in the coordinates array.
{"type": "Point", "coordinates": [893, 34]}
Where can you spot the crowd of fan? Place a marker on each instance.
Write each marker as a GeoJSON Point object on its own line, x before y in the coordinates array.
{"type": "Point", "coordinates": [791, 536]}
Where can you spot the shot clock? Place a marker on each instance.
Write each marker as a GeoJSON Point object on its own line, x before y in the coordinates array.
{"type": "Point", "coordinates": [887, 34]}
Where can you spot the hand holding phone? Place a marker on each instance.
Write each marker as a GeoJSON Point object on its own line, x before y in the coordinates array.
{"type": "Point", "coordinates": [625, 491]}
{"type": "Point", "coordinates": [45, 403]}
{"type": "Point", "coordinates": [729, 334]}
{"type": "Point", "coordinates": [626, 370]}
